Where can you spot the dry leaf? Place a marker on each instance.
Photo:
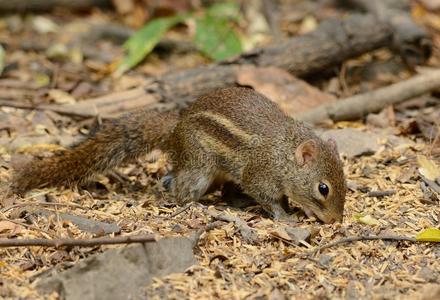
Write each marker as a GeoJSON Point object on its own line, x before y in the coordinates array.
{"type": "Point", "coordinates": [9, 227]}
{"type": "Point", "coordinates": [428, 168]}
{"type": "Point", "coordinates": [280, 232]}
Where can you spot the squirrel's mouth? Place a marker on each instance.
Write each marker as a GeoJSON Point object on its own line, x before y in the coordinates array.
{"type": "Point", "coordinates": [326, 217]}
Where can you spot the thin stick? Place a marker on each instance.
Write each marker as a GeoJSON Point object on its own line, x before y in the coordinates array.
{"type": "Point", "coordinates": [5, 209]}
{"type": "Point", "coordinates": [357, 106]}
{"type": "Point", "coordinates": [208, 227]}
{"type": "Point", "coordinates": [381, 193]}
{"type": "Point", "coordinates": [70, 110]}
{"type": "Point", "coordinates": [77, 242]}
{"type": "Point", "coordinates": [180, 210]}
{"type": "Point", "coordinates": [352, 239]}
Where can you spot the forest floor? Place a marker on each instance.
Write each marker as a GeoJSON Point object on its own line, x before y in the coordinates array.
{"type": "Point", "coordinates": [274, 265]}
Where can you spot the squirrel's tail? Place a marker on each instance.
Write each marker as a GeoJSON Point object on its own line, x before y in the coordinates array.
{"type": "Point", "coordinates": [117, 141]}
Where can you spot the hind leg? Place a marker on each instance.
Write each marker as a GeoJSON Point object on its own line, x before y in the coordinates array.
{"type": "Point", "coordinates": [191, 184]}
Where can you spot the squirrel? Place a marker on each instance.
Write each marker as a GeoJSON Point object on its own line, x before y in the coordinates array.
{"type": "Point", "coordinates": [229, 135]}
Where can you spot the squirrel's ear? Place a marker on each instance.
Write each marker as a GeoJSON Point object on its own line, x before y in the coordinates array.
{"type": "Point", "coordinates": [306, 152]}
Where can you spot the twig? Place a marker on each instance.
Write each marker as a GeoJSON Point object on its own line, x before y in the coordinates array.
{"type": "Point", "coordinates": [180, 210]}
{"type": "Point", "coordinates": [357, 106]}
{"type": "Point", "coordinates": [381, 193]}
{"type": "Point", "coordinates": [39, 5]}
{"type": "Point", "coordinates": [362, 238]}
{"type": "Point", "coordinates": [77, 242]}
{"type": "Point", "coordinates": [5, 209]}
{"type": "Point", "coordinates": [208, 227]}
{"type": "Point", "coordinates": [432, 184]}
{"type": "Point", "coordinates": [248, 233]}
{"type": "Point", "coordinates": [76, 110]}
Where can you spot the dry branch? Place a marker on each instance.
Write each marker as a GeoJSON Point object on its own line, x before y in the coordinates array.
{"type": "Point", "coordinates": [5, 209]}
{"type": "Point", "coordinates": [352, 239]}
{"type": "Point", "coordinates": [77, 242]}
{"type": "Point", "coordinates": [409, 39]}
{"type": "Point", "coordinates": [358, 106]}
{"type": "Point", "coordinates": [46, 5]}
{"type": "Point", "coordinates": [180, 210]}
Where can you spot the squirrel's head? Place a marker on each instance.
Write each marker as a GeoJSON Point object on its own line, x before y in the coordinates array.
{"type": "Point", "coordinates": [318, 184]}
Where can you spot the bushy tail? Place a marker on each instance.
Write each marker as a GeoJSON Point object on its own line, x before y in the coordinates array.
{"type": "Point", "coordinates": [116, 142]}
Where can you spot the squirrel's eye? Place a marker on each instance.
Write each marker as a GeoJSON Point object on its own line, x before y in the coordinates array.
{"type": "Point", "coordinates": [323, 189]}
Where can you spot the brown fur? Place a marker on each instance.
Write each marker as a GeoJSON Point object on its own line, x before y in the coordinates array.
{"type": "Point", "coordinates": [116, 142]}
{"type": "Point", "coordinates": [233, 134]}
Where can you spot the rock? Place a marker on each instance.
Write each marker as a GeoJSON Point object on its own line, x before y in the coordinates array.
{"type": "Point", "coordinates": [121, 273]}
{"type": "Point", "coordinates": [353, 142]}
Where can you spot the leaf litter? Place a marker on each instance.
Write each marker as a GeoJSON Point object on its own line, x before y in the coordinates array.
{"type": "Point", "coordinates": [273, 265]}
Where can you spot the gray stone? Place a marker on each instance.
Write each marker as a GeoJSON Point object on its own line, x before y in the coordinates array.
{"type": "Point", "coordinates": [121, 273]}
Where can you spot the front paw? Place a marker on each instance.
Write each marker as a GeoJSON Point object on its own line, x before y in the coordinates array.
{"type": "Point", "coordinates": [168, 181]}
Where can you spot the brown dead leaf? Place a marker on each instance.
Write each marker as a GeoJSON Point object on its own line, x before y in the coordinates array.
{"type": "Point", "coordinates": [291, 93]}
{"type": "Point", "coordinates": [280, 232]}
{"type": "Point", "coordinates": [430, 4]}
{"type": "Point", "coordinates": [9, 227]}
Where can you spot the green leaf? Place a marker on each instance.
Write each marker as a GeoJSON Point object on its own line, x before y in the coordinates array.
{"type": "Point", "coordinates": [429, 235]}
{"type": "Point", "coordinates": [367, 219]}
{"type": "Point", "coordinates": [229, 10]}
{"type": "Point", "coordinates": [216, 38]}
{"type": "Point", "coordinates": [140, 44]}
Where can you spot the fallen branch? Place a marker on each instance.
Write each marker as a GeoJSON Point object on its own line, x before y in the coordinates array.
{"type": "Point", "coordinates": [248, 233]}
{"type": "Point", "coordinates": [70, 110]}
{"type": "Point", "coordinates": [352, 239]}
{"type": "Point", "coordinates": [77, 242]}
{"type": "Point", "coordinates": [5, 209]}
{"type": "Point", "coordinates": [45, 5]}
{"type": "Point", "coordinates": [411, 40]}
{"type": "Point", "coordinates": [356, 107]}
